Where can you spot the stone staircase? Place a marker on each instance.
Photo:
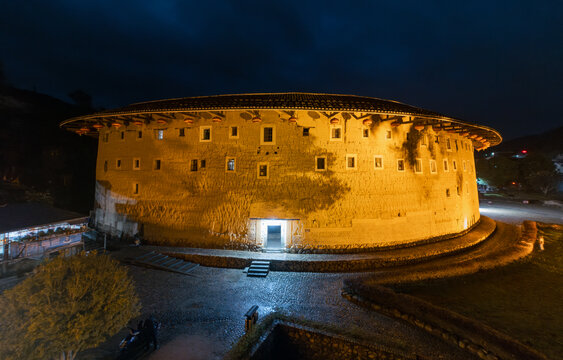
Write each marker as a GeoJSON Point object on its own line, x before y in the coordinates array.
{"type": "Point", "coordinates": [258, 268]}
{"type": "Point", "coordinates": [162, 262]}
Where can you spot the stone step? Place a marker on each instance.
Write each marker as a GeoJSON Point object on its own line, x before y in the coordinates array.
{"type": "Point", "coordinates": [259, 266]}
{"type": "Point", "coordinates": [257, 274]}
{"type": "Point", "coordinates": [261, 262]}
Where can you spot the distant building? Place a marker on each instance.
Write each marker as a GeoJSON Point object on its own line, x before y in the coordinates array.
{"type": "Point", "coordinates": [33, 229]}
{"type": "Point", "coordinates": [284, 170]}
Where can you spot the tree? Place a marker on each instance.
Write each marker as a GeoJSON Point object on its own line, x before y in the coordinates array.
{"type": "Point", "coordinates": [498, 171]}
{"type": "Point", "coordinates": [538, 173]}
{"type": "Point", "coordinates": [70, 304]}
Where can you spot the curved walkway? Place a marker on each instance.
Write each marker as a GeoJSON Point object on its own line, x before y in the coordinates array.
{"type": "Point", "coordinates": [333, 262]}
{"type": "Point", "coordinates": [505, 246]}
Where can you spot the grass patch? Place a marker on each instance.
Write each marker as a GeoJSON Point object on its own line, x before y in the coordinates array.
{"type": "Point", "coordinates": [522, 299]}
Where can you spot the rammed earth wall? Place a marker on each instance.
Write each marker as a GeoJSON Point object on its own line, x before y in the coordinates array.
{"type": "Point", "coordinates": [339, 207]}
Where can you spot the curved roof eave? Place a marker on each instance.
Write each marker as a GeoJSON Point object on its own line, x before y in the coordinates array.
{"type": "Point", "coordinates": [282, 101]}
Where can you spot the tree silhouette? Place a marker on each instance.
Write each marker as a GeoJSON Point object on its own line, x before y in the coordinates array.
{"type": "Point", "coordinates": [70, 304]}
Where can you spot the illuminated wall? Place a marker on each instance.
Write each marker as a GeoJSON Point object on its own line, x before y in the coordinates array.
{"type": "Point", "coordinates": [158, 190]}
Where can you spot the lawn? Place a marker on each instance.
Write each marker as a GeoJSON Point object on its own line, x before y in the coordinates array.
{"type": "Point", "coordinates": [523, 300]}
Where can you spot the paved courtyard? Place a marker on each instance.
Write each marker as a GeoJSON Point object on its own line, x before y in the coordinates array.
{"type": "Point", "coordinates": [202, 315]}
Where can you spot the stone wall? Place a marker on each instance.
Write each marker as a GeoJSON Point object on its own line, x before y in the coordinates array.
{"type": "Point", "coordinates": [338, 207]}
{"type": "Point", "coordinates": [292, 341]}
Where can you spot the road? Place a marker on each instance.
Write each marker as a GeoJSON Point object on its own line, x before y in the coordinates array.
{"type": "Point", "coordinates": [513, 212]}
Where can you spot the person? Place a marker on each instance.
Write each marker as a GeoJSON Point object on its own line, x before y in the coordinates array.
{"type": "Point", "coordinates": [541, 241]}
{"type": "Point", "coordinates": [137, 239]}
{"type": "Point", "coordinates": [150, 328]}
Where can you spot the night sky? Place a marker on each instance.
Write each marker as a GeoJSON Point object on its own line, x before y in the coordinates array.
{"type": "Point", "coordinates": [490, 62]}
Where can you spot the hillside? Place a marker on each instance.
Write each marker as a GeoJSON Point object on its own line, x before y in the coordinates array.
{"type": "Point", "coordinates": [39, 160]}
{"type": "Point", "coordinates": [549, 143]}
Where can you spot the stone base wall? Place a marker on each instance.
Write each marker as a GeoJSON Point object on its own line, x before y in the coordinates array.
{"type": "Point", "coordinates": [291, 341]}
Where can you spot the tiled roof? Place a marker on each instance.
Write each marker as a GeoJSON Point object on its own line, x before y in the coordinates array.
{"type": "Point", "coordinates": [19, 216]}
{"type": "Point", "coordinates": [286, 101]}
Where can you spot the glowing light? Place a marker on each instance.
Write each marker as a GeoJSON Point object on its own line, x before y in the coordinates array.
{"type": "Point", "coordinates": [524, 151]}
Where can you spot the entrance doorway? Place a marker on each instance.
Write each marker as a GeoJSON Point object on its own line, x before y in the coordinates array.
{"type": "Point", "coordinates": [273, 233]}
{"type": "Point", "coordinates": [274, 236]}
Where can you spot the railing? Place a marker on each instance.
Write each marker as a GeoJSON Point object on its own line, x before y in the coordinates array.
{"type": "Point", "coordinates": [37, 248]}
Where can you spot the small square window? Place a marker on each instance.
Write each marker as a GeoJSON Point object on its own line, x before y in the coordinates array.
{"type": "Point", "coordinates": [388, 135]}
{"type": "Point", "coordinates": [365, 133]}
{"type": "Point", "coordinates": [139, 135]}
{"type": "Point", "coordinates": [351, 161]}
{"type": "Point", "coordinates": [122, 135]}
{"type": "Point", "coordinates": [400, 165]}
{"type": "Point", "coordinates": [233, 132]}
{"type": "Point", "coordinates": [433, 168]}
{"type": "Point", "coordinates": [454, 165]}
{"type": "Point", "coordinates": [230, 165]}
{"type": "Point", "coordinates": [205, 133]}
{"type": "Point", "coordinates": [446, 168]}
{"type": "Point", "coordinates": [118, 164]}
{"type": "Point", "coordinates": [263, 171]}
{"type": "Point", "coordinates": [106, 166]}
{"type": "Point", "coordinates": [157, 164]}
{"type": "Point", "coordinates": [182, 132]}
{"type": "Point", "coordinates": [378, 162]}
{"type": "Point", "coordinates": [136, 164]}
{"type": "Point", "coordinates": [268, 136]}
{"type": "Point", "coordinates": [418, 166]}
{"type": "Point", "coordinates": [193, 165]}
{"type": "Point", "coordinates": [320, 163]}
{"type": "Point", "coordinates": [136, 189]}
{"type": "Point", "coordinates": [159, 134]}
{"type": "Point", "coordinates": [336, 132]}
{"type": "Point", "coordinates": [306, 131]}
{"type": "Point", "coordinates": [202, 164]}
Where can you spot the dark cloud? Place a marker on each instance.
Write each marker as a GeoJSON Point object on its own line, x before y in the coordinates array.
{"type": "Point", "coordinates": [497, 63]}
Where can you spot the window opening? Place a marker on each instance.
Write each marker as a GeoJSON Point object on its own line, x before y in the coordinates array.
{"type": "Point", "coordinates": [433, 169]}
{"type": "Point", "coordinates": [157, 164]}
{"type": "Point", "coordinates": [305, 131]}
{"type": "Point", "coordinates": [234, 132]}
{"type": "Point", "coordinates": [365, 133]}
{"type": "Point", "coordinates": [181, 132]}
{"type": "Point", "coordinates": [231, 164]}
{"type": "Point", "coordinates": [136, 164]}
{"type": "Point", "coordinates": [378, 162]}
{"type": "Point", "coordinates": [263, 170]}
{"type": "Point", "coordinates": [193, 166]}
{"type": "Point", "coordinates": [400, 165]}
{"type": "Point", "coordinates": [320, 163]}
{"type": "Point", "coordinates": [351, 162]}
{"type": "Point", "coordinates": [205, 133]}
{"type": "Point", "coordinates": [418, 166]}
{"type": "Point", "coordinates": [202, 164]}
{"type": "Point", "coordinates": [268, 135]}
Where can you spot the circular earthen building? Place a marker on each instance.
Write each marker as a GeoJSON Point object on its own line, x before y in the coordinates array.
{"type": "Point", "coordinates": [288, 170]}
